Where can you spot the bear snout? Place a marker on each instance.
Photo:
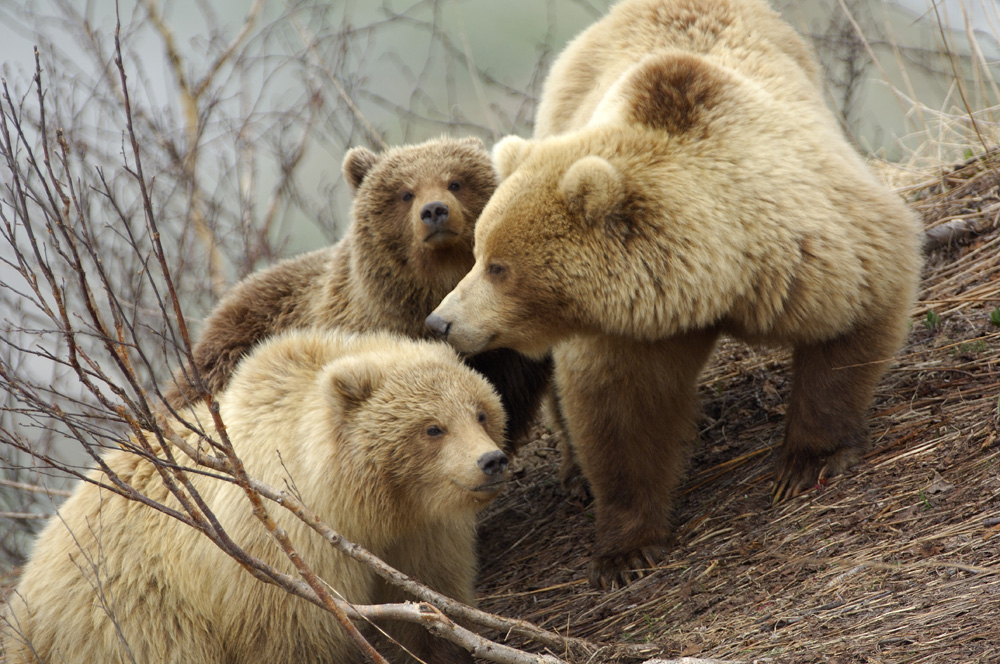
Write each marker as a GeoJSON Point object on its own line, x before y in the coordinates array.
{"type": "Point", "coordinates": [438, 325]}
{"type": "Point", "coordinates": [493, 463]}
{"type": "Point", "coordinates": [435, 216]}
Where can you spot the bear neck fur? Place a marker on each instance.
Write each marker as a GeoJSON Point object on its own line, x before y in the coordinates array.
{"type": "Point", "coordinates": [383, 291]}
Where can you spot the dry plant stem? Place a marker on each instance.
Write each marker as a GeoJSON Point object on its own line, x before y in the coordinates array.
{"type": "Point", "coordinates": [251, 18]}
{"type": "Point", "coordinates": [921, 123]}
{"type": "Point", "coordinates": [440, 625]}
{"type": "Point", "coordinates": [34, 488]}
{"type": "Point", "coordinates": [237, 468]}
{"type": "Point", "coordinates": [23, 516]}
{"type": "Point", "coordinates": [189, 98]}
{"type": "Point", "coordinates": [961, 92]}
{"type": "Point", "coordinates": [147, 205]}
{"type": "Point", "coordinates": [983, 68]}
{"type": "Point", "coordinates": [288, 169]}
{"type": "Point", "coordinates": [477, 82]}
{"type": "Point", "coordinates": [374, 138]}
{"type": "Point", "coordinates": [58, 229]}
{"type": "Point", "coordinates": [871, 53]}
{"type": "Point", "coordinates": [427, 613]}
{"type": "Point", "coordinates": [397, 578]}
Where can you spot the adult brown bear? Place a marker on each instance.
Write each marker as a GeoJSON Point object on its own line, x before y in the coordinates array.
{"type": "Point", "coordinates": [686, 180]}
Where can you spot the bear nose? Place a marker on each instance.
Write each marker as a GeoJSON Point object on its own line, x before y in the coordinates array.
{"type": "Point", "coordinates": [438, 325]}
{"type": "Point", "coordinates": [493, 463]}
{"type": "Point", "coordinates": [434, 215]}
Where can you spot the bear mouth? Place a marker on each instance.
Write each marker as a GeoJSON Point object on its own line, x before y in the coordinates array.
{"type": "Point", "coordinates": [482, 348]}
{"type": "Point", "coordinates": [487, 488]}
{"type": "Point", "coordinates": [443, 236]}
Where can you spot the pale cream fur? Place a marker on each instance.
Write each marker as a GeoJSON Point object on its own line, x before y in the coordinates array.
{"type": "Point", "coordinates": [744, 36]}
{"type": "Point", "coordinates": [342, 420]}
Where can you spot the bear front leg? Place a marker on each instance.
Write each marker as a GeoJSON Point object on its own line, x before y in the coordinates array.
{"type": "Point", "coordinates": [631, 411]}
{"type": "Point", "coordinates": [570, 476]}
{"type": "Point", "coordinates": [832, 387]}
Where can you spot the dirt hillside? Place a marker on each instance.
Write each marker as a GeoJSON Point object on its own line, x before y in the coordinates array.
{"type": "Point", "coordinates": [898, 561]}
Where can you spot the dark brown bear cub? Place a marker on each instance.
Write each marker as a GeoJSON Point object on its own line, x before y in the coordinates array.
{"type": "Point", "coordinates": [409, 243]}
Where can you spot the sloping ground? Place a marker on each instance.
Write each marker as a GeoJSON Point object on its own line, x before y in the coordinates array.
{"type": "Point", "coordinates": [899, 561]}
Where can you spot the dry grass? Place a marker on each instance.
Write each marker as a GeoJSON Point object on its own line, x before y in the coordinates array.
{"type": "Point", "coordinates": [897, 562]}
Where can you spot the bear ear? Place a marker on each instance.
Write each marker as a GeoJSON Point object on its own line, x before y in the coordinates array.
{"type": "Point", "coordinates": [509, 153]}
{"type": "Point", "coordinates": [357, 162]}
{"type": "Point", "coordinates": [474, 142]}
{"type": "Point", "coordinates": [592, 188]}
{"type": "Point", "coordinates": [351, 381]}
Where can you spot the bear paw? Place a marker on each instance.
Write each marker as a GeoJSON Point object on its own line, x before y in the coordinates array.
{"type": "Point", "coordinates": [574, 483]}
{"type": "Point", "coordinates": [617, 570]}
{"type": "Point", "coordinates": [799, 472]}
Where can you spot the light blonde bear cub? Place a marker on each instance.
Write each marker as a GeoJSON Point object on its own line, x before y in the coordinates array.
{"type": "Point", "coordinates": [686, 180]}
{"type": "Point", "coordinates": [394, 443]}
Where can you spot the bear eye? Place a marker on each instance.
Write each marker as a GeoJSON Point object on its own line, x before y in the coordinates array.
{"type": "Point", "coordinates": [495, 269]}
{"type": "Point", "coordinates": [434, 431]}
{"type": "Point", "coordinates": [455, 185]}
{"type": "Point", "coordinates": [481, 417]}
{"type": "Point", "coordinates": [406, 196]}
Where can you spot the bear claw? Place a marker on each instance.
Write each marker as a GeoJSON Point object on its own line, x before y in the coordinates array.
{"type": "Point", "coordinates": [616, 571]}
{"type": "Point", "coordinates": [798, 473]}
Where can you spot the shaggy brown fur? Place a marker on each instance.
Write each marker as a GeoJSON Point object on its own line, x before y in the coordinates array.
{"type": "Point", "coordinates": [415, 208]}
{"type": "Point", "coordinates": [393, 442]}
{"type": "Point", "coordinates": [686, 180]}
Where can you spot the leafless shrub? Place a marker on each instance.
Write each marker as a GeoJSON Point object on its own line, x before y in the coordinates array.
{"type": "Point", "coordinates": [122, 213]}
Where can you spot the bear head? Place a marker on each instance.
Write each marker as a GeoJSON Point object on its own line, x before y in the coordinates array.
{"type": "Point", "coordinates": [572, 240]}
{"type": "Point", "coordinates": [422, 431]}
{"type": "Point", "coordinates": [416, 206]}
{"type": "Point", "coordinates": [543, 239]}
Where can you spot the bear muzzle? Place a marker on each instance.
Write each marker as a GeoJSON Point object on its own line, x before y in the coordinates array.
{"type": "Point", "coordinates": [435, 216]}
{"type": "Point", "coordinates": [462, 320]}
{"type": "Point", "coordinates": [438, 325]}
{"type": "Point", "coordinates": [466, 340]}
{"type": "Point", "coordinates": [493, 463]}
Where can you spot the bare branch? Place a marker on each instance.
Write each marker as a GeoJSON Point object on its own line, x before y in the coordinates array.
{"type": "Point", "coordinates": [106, 236]}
